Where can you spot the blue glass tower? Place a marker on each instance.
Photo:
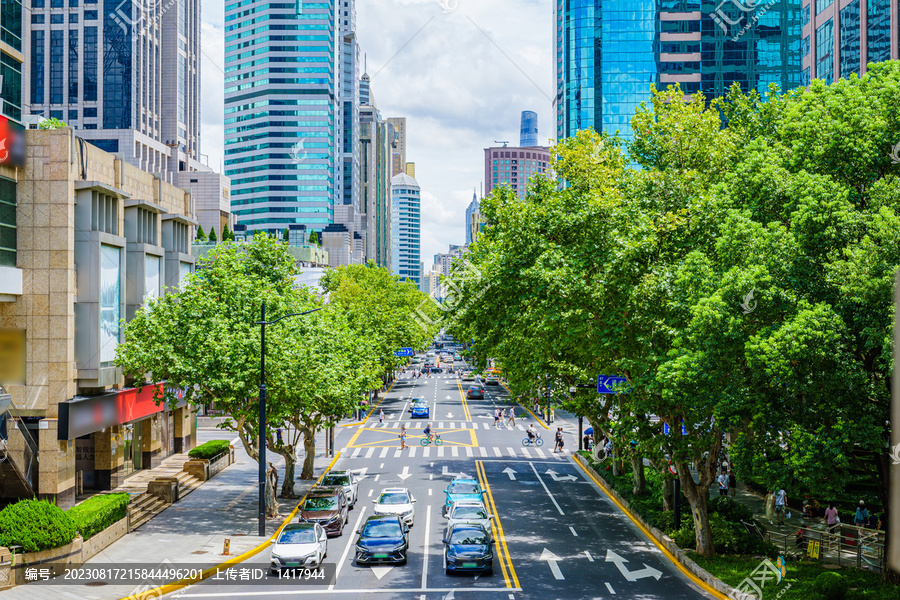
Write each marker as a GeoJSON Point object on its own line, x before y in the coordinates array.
{"type": "Point", "coordinates": [528, 134]}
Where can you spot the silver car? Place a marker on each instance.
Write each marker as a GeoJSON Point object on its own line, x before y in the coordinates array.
{"type": "Point", "coordinates": [470, 511]}
{"type": "Point", "coordinates": [346, 480]}
{"type": "Point", "coordinates": [299, 545]}
{"type": "Point", "coordinates": [396, 501]}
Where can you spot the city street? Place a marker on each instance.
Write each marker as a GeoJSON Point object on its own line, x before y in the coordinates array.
{"type": "Point", "coordinates": [553, 527]}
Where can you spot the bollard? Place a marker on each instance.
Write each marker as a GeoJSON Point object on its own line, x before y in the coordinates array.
{"type": "Point", "coordinates": [227, 547]}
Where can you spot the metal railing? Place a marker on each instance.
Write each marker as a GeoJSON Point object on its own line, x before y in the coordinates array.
{"type": "Point", "coordinates": [17, 446]}
{"type": "Point", "coordinates": [845, 545]}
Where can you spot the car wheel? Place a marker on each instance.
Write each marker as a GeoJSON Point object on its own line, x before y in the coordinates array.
{"type": "Point", "coordinates": [402, 562]}
{"type": "Point", "coordinates": [273, 571]}
{"type": "Point", "coordinates": [490, 572]}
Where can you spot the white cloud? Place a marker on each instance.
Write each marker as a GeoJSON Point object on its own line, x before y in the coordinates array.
{"type": "Point", "coordinates": [461, 77]}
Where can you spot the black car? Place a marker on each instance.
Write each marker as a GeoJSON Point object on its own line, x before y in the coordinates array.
{"type": "Point", "coordinates": [382, 539]}
{"type": "Point", "coordinates": [468, 548]}
{"type": "Point", "coordinates": [475, 392]}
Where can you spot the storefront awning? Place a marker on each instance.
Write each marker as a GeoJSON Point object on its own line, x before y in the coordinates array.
{"type": "Point", "coordinates": [81, 416]}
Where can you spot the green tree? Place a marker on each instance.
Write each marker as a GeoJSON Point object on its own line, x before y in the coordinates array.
{"type": "Point", "coordinates": [212, 235]}
{"type": "Point", "coordinates": [286, 235]}
{"type": "Point", "coordinates": [314, 238]}
{"type": "Point", "coordinates": [201, 235]}
{"type": "Point", "coordinates": [227, 235]}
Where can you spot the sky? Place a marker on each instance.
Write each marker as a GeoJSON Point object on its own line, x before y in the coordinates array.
{"type": "Point", "coordinates": [460, 71]}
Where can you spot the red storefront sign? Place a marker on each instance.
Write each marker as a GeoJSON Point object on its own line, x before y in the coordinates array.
{"type": "Point", "coordinates": [78, 417]}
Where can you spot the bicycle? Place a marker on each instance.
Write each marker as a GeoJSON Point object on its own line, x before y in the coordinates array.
{"type": "Point", "coordinates": [437, 440]}
{"type": "Point", "coordinates": [537, 441]}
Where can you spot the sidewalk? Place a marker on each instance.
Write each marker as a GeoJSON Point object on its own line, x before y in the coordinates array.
{"type": "Point", "coordinates": [190, 532]}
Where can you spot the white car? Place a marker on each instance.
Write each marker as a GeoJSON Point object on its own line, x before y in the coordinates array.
{"type": "Point", "coordinates": [470, 511]}
{"type": "Point", "coordinates": [346, 480]}
{"type": "Point", "coordinates": [299, 545]}
{"type": "Point", "coordinates": [396, 501]}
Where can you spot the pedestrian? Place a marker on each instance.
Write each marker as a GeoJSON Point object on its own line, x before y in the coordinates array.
{"type": "Point", "coordinates": [732, 483]}
{"type": "Point", "coordinates": [497, 417]}
{"type": "Point", "coordinates": [831, 518]}
{"type": "Point", "coordinates": [503, 416]}
{"type": "Point", "coordinates": [381, 416]}
{"type": "Point", "coordinates": [512, 418]}
{"type": "Point", "coordinates": [723, 483]}
{"type": "Point", "coordinates": [403, 445]}
{"type": "Point", "coordinates": [770, 506]}
{"type": "Point", "coordinates": [780, 505]}
{"type": "Point", "coordinates": [862, 515]}
{"type": "Point", "coordinates": [559, 440]}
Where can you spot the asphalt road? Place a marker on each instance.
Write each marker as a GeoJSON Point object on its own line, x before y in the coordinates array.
{"type": "Point", "coordinates": [557, 535]}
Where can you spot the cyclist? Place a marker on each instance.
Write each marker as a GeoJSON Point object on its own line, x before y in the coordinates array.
{"type": "Point", "coordinates": [429, 433]}
{"type": "Point", "coordinates": [532, 433]}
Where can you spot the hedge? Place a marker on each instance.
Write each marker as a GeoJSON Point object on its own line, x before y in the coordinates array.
{"type": "Point", "coordinates": [210, 449]}
{"type": "Point", "coordinates": [35, 525]}
{"type": "Point", "coordinates": [99, 512]}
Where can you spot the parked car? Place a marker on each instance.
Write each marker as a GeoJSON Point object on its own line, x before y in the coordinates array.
{"type": "Point", "coordinates": [382, 539]}
{"type": "Point", "coordinates": [328, 507]}
{"type": "Point", "coordinates": [475, 392]}
{"type": "Point", "coordinates": [462, 488]}
{"type": "Point", "coordinates": [299, 545]}
{"type": "Point", "coordinates": [468, 548]}
{"type": "Point", "coordinates": [396, 501]}
{"type": "Point", "coordinates": [470, 511]}
{"type": "Point", "coordinates": [346, 480]}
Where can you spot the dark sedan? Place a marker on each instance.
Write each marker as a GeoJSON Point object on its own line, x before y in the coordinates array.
{"type": "Point", "coordinates": [328, 507]}
{"type": "Point", "coordinates": [475, 392]}
{"type": "Point", "coordinates": [382, 539]}
{"type": "Point", "coordinates": [467, 549]}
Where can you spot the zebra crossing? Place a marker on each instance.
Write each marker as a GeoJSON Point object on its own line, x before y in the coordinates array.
{"type": "Point", "coordinates": [486, 424]}
{"type": "Point", "coordinates": [450, 451]}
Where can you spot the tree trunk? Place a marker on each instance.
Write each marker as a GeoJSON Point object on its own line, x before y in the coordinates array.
{"type": "Point", "coordinates": [697, 495]}
{"type": "Point", "coordinates": [287, 488]}
{"type": "Point", "coordinates": [668, 493]}
{"type": "Point", "coordinates": [883, 464]}
{"type": "Point", "coordinates": [271, 485]}
{"type": "Point", "coordinates": [616, 461]}
{"type": "Point", "coordinates": [309, 461]}
{"type": "Point", "coordinates": [637, 470]}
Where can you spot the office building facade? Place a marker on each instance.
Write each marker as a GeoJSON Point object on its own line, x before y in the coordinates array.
{"type": "Point", "coordinates": [376, 136]}
{"type": "Point", "coordinates": [842, 37]}
{"type": "Point", "coordinates": [406, 244]}
{"type": "Point", "coordinates": [473, 208]}
{"type": "Point", "coordinates": [398, 145]}
{"type": "Point", "coordinates": [609, 54]}
{"type": "Point", "coordinates": [512, 167]}
{"type": "Point", "coordinates": [528, 129]}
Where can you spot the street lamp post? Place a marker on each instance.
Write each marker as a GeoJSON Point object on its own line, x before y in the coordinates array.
{"type": "Point", "coordinates": [262, 409]}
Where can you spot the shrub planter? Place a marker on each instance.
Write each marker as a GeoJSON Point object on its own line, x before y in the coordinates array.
{"type": "Point", "coordinates": [217, 463]}
{"type": "Point", "coordinates": [64, 555]}
{"type": "Point", "coordinates": [164, 488]}
{"type": "Point", "coordinates": [99, 542]}
{"type": "Point", "coordinates": [666, 541]}
{"type": "Point", "coordinates": [198, 468]}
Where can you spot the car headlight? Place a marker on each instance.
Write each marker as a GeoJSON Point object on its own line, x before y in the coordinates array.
{"type": "Point", "coordinates": [334, 518]}
{"type": "Point", "coordinates": [407, 513]}
{"type": "Point", "coordinates": [276, 556]}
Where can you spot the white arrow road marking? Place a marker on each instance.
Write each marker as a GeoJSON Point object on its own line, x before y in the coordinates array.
{"type": "Point", "coordinates": [620, 561]}
{"type": "Point", "coordinates": [360, 473]}
{"type": "Point", "coordinates": [380, 572]}
{"type": "Point", "coordinates": [447, 473]}
{"type": "Point", "coordinates": [449, 415]}
{"type": "Point", "coordinates": [510, 472]}
{"type": "Point", "coordinates": [552, 559]}
{"type": "Point", "coordinates": [556, 476]}
{"type": "Point", "coordinates": [404, 474]}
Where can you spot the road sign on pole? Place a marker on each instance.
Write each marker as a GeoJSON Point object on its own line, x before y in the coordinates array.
{"type": "Point", "coordinates": [610, 384]}
{"type": "Point", "coordinates": [404, 352]}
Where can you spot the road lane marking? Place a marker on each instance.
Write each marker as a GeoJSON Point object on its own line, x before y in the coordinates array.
{"type": "Point", "coordinates": [412, 451]}
{"type": "Point", "coordinates": [506, 565]}
{"type": "Point", "coordinates": [398, 453]}
{"type": "Point", "coordinates": [440, 452]}
{"type": "Point", "coordinates": [525, 452]}
{"type": "Point", "coordinates": [426, 452]}
{"type": "Point", "coordinates": [483, 451]}
{"type": "Point", "coordinates": [512, 452]}
{"type": "Point", "coordinates": [441, 426]}
{"type": "Point", "coordinates": [611, 590]}
{"type": "Point", "coordinates": [371, 492]}
{"type": "Point", "coordinates": [469, 452]}
{"type": "Point", "coordinates": [454, 451]}
{"type": "Point", "coordinates": [497, 452]}
{"type": "Point", "coordinates": [572, 529]}
{"type": "Point", "coordinates": [540, 453]}
{"type": "Point", "coordinates": [341, 562]}
{"type": "Point", "coordinates": [425, 549]}
{"type": "Point", "coordinates": [589, 557]}
{"type": "Point", "coordinates": [356, 453]}
{"type": "Point", "coordinates": [384, 452]}
{"type": "Point", "coordinates": [429, 493]}
{"type": "Point", "coordinates": [370, 452]}
{"type": "Point", "coordinates": [544, 485]}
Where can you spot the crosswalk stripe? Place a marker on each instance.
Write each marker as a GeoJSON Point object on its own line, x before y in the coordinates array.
{"type": "Point", "coordinates": [412, 451]}
{"type": "Point", "coordinates": [426, 452]}
{"type": "Point", "coordinates": [409, 425]}
{"type": "Point", "coordinates": [398, 453]}
{"type": "Point", "coordinates": [520, 428]}
{"type": "Point", "coordinates": [497, 452]}
{"type": "Point", "coordinates": [483, 451]}
{"type": "Point", "coordinates": [468, 451]}
{"type": "Point", "coordinates": [384, 452]}
{"type": "Point", "coordinates": [540, 453]}
{"type": "Point", "coordinates": [397, 425]}
{"type": "Point", "coordinates": [356, 453]}
{"type": "Point", "coordinates": [525, 452]}
{"type": "Point", "coordinates": [512, 452]}
{"type": "Point", "coordinates": [440, 452]}
{"type": "Point", "coordinates": [370, 452]}
{"type": "Point", "coordinates": [441, 425]}
{"type": "Point", "coordinates": [452, 425]}
{"type": "Point", "coordinates": [454, 451]}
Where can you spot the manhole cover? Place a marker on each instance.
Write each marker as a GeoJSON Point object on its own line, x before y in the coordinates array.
{"type": "Point", "coordinates": [96, 583]}
{"type": "Point", "coordinates": [199, 552]}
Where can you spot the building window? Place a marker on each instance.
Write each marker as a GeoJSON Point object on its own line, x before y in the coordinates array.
{"type": "Point", "coordinates": [73, 66]}
{"type": "Point", "coordinates": [850, 43]}
{"type": "Point", "coordinates": [56, 67]}
{"type": "Point", "coordinates": [116, 72]}
{"type": "Point", "coordinates": [825, 51]}
{"type": "Point", "coordinates": [57, 19]}
{"type": "Point", "coordinates": [90, 15]}
{"type": "Point", "coordinates": [110, 305]}
{"type": "Point", "coordinates": [804, 47]}
{"type": "Point", "coordinates": [878, 45]}
{"type": "Point", "coordinates": [90, 66]}
{"type": "Point", "coordinates": [73, 116]}
{"type": "Point", "coordinates": [7, 223]}
{"type": "Point", "coordinates": [90, 112]}
{"type": "Point", "coordinates": [822, 5]}
{"type": "Point", "coordinates": [37, 68]}
{"type": "Point", "coordinates": [37, 19]}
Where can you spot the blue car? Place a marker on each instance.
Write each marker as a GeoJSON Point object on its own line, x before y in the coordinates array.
{"type": "Point", "coordinates": [382, 539]}
{"type": "Point", "coordinates": [462, 489]}
{"type": "Point", "coordinates": [420, 411]}
{"type": "Point", "coordinates": [467, 548]}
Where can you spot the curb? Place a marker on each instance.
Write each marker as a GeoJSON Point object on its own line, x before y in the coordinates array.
{"type": "Point", "coordinates": [701, 577]}
{"type": "Point", "coordinates": [207, 573]}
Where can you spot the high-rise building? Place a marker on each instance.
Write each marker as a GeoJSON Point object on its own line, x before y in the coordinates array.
{"type": "Point", "coordinates": [443, 261]}
{"type": "Point", "coordinates": [473, 208]}
{"type": "Point", "coordinates": [528, 134]}
{"type": "Point", "coordinates": [11, 32]}
{"type": "Point", "coordinates": [398, 146]}
{"type": "Point", "coordinates": [608, 54]}
{"type": "Point", "coordinates": [512, 167]}
{"type": "Point", "coordinates": [405, 228]}
{"type": "Point", "coordinates": [841, 38]}
{"type": "Point", "coordinates": [375, 140]}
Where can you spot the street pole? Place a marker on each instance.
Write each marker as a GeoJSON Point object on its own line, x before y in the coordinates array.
{"type": "Point", "coordinates": [262, 423]}
{"type": "Point", "coordinates": [548, 400]}
{"type": "Point", "coordinates": [580, 432]}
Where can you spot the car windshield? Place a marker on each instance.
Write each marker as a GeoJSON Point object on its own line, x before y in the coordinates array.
{"type": "Point", "coordinates": [463, 488]}
{"type": "Point", "coordinates": [336, 480]}
{"type": "Point", "coordinates": [326, 503]}
{"type": "Point", "coordinates": [467, 537]}
{"type": "Point", "coordinates": [469, 512]}
{"type": "Point", "coordinates": [297, 536]}
{"type": "Point", "coordinates": [381, 529]}
{"type": "Point", "coordinates": [394, 498]}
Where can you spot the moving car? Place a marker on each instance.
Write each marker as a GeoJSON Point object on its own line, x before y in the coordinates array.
{"type": "Point", "coordinates": [462, 488]}
{"type": "Point", "coordinates": [467, 548]}
{"type": "Point", "coordinates": [328, 507]}
{"type": "Point", "coordinates": [475, 392]}
{"type": "Point", "coordinates": [300, 545]}
{"type": "Point", "coordinates": [472, 512]}
{"type": "Point", "coordinates": [396, 501]}
{"type": "Point", "coordinates": [415, 402]}
{"type": "Point", "coordinates": [420, 410]}
{"type": "Point", "coordinates": [492, 380]}
{"type": "Point", "coordinates": [346, 480]}
{"type": "Point", "coordinates": [467, 376]}
{"type": "Point", "coordinates": [382, 538]}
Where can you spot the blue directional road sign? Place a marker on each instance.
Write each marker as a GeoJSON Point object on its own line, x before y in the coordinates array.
{"type": "Point", "coordinates": [666, 429]}
{"type": "Point", "coordinates": [405, 352]}
{"type": "Point", "coordinates": [610, 384]}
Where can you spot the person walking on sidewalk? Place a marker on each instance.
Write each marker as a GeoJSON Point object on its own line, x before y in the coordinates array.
{"type": "Point", "coordinates": [780, 505]}
{"type": "Point", "coordinates": [497, 417]}
{"type": "Point", "coordinates": [831, 518]}
{"type": "Point", "coordinates": [403, 445]}
{"type": "Point", "coordinates": [512, 418]}
{"type": "Point", "coordinates": [732, 484]}
{"type": "Point", "coordinates": [723, 483]}
{"type": "Point", "coordinates": [503, 416]}
{"type": "Point", "coordinates": [862, 515]}
{"type": "Point", "coordinates": [381, 417]}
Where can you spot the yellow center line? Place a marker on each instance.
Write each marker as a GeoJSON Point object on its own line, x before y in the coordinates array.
{"type": "Point", "coordinates": [465, 404]}
{"type": "Point", "coordinates": [502, 548]}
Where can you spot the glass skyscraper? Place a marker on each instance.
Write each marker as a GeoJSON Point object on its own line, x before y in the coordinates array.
{"type": "Point", "coordinates": [406, 237]}
{"type": "Point", "coordinates": [608, 54]}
